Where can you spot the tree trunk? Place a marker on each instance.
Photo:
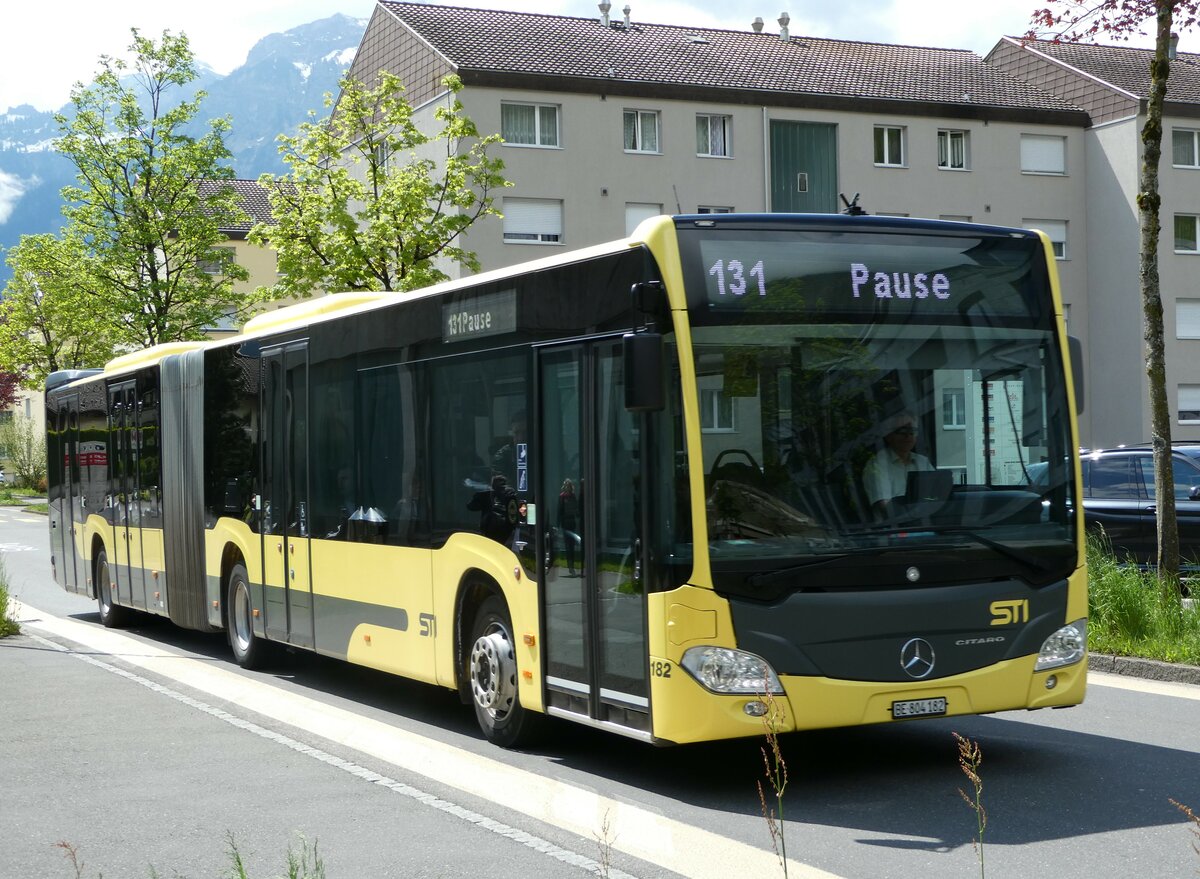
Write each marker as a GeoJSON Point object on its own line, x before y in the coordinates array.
{"type": "Point", "coordinates": [1149, 203]}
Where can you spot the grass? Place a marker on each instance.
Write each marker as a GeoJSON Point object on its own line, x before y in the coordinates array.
{"type": "Point", "coordinates": [10, 496]}
{"type": "Point", "coordinates": [8, 625]}
{"type": "Point", "coordinates": [1134, 613]}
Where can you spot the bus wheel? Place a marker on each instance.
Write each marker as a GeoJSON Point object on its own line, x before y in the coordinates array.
{"type": "Point", "coordinates": [112, 616]}
{"type": "Point", "coordinates": [248, 648]}
{"type": "Point", "coordinates": [492, 671]}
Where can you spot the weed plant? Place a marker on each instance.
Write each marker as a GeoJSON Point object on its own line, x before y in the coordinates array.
{"type": "Point", "coordinates": [775, 772]}
{"type": "Point", "coordinates": [8, 624]}
{"type": "Point", "coordinates": [305, 864]}
{"type": "Point", "coordinates": [1191, 816]}
{"type": "Point", "coordinates": [970, 758]}
{"type": "Point", "coordinates": [1136, 613]}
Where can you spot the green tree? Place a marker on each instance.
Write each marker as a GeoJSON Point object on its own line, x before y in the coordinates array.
{"type": "Point", "coordinates": [48, 319]}
{"type": "Point", "coordinates": [1119, 19]}
{"type": "Point", "coordinates": [151, 232]}
{"type": "Point", "coordinates": [23, 446]}
{"type": "Point", "coordinates": [371, 201]}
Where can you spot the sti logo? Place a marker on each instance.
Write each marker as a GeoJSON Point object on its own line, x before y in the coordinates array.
{"type": "Point", "coordinates": [1005, 613]}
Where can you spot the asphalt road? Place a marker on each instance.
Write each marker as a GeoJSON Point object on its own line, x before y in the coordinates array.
{"type": "Point", "coordinates": [150, 748]}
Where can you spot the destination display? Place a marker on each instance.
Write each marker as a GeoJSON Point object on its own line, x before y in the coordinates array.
{"type": "Point", "coordinates": [830, 274]}
{"type": "Point", "coordinates": [474, 316]}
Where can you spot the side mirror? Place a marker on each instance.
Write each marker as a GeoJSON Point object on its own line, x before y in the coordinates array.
{"type": "Point", "coordinates": [1076, 351]}
{"type": "Point", "coordinates": [1194, 494]}
{"type": "Point", "coordinates": [643, 356]}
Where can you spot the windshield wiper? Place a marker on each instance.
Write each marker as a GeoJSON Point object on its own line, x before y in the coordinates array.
{"type": "Point", "coordinates": [1032, 562]}
{"type": "Point", "coordinates": [763, 578]}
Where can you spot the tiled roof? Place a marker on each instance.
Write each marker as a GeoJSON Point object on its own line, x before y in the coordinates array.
{"type": "Point", "coordinates": [1126, 68]}
{"type": "Point", "coordinates": [554, 45]}
{"type": "Point", "coordinates": [251, 197]}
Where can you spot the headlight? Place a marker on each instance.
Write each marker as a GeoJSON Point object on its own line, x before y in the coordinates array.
{"type": "Point", "coordinates": [722, 670]}
{"type": "Point", "coordinates": [1064, 647]}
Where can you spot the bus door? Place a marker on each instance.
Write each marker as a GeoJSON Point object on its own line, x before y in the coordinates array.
{"type": "Point", "coordinates": [285, 502]}
{"type": "Point", "coordinates": [586, 455]}
{"type": "Point", "coordinates": [123, 507]}
{"type": "Point", "coordinates": [66, 546]}
{"type": "Point", "coordinates": [57, 466]}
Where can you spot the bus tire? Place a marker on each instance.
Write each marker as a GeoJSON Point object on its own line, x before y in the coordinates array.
{"type": "Point", "coordinates": [248, 649]}
{"type": "Point", "coordinates": [112, 616]}
{"type": "Point", "coordinates": [492, 672]}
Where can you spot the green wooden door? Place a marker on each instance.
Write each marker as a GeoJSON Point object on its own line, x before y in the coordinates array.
{"type": "Point", "coordinates": [803, 167]}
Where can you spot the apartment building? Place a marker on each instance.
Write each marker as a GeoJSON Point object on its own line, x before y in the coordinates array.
{"type": "Point", "coordinates": [608, 120]}
{"type": "Point", "coordinates": [1112, 84]}
{"type": "Point", "coordinates": [259, 261]}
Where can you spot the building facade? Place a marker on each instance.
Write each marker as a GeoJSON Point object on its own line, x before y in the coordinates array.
{"type": "Point", "coordinates": [607, 121]}
{"type": "Point", "coordinates": [1112, 83]}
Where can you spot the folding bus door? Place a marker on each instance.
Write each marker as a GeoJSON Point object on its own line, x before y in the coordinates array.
{"type": "Point", "coordinates": [285, 507]}
{"type": "Point", "coordinates": [594, 604]}
{"type": "Point", "coordinates": [123, 507]}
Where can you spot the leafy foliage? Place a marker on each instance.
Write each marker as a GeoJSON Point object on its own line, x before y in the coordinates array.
{"type": "Point", "coordinates": [25, 450]}
{"type": "Point", "coordinates": [139, 207]}
{"type": "Point", "coordinates": [371, 201]}
{"type": "Point", "coordinates": [1093, 19]}
{"type": "Point", "coordinates": [9, 383]}
{"type": "Point", "coordinates": [49, 321]}
{"type": "Point", "coordinates": [133, 266]}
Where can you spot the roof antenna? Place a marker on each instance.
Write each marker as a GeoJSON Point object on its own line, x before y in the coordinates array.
{"type": "Point", "coordinates": [852, 208]}
{"type": "Point", "coordinates": [678, 207]}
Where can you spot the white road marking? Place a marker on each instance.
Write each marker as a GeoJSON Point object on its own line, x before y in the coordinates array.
{"type": "Point", "coordinates": [1143, 685]}
{"type": "Point", "coordinates": [631, 829]}
{"type": "Point", "coordinates": [15, 547]}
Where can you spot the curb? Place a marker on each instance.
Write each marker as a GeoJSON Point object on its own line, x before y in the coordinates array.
{"type": "Point", "coordinates": [1150, 669]}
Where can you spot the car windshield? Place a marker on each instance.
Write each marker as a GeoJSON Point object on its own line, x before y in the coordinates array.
{"type": "Point", "coordinates": [847, 448]}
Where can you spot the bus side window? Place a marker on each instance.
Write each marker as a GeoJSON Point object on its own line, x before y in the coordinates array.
{"type": "Point", "coordinates": [475, 401]}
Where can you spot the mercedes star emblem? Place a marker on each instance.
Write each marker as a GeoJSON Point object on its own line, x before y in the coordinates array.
{"type": "Point", "coordinates": [916, 658]}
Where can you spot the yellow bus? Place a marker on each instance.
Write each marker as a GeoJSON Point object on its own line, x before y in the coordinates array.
{"type": "Point", "coordinates": [732, 470]}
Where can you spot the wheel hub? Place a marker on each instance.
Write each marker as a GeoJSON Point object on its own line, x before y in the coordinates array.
{"type": "Point", "coordinates": [493, 673]}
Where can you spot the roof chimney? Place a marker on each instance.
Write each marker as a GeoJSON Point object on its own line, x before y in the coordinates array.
{"type": "Point", "coordinates": [604, 7]}
{"type": "Point", "coordinates": [757, 24]}
{"type": "Point", "coordinates": [1174, 47]}
{"type": "Point", "coordinates": [784, 18]}
{"type": "Point", "coordinates": [626, 10]}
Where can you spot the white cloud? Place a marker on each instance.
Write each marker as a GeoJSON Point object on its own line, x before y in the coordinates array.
{"type": "Point", "coordinates": [11, 190]}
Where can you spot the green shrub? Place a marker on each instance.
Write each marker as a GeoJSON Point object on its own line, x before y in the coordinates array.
{"type": "Point", "coordinates": [1135, 613]}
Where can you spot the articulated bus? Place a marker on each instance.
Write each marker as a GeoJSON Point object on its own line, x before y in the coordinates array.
{"type": "Point", "coordinates": [629, 486]}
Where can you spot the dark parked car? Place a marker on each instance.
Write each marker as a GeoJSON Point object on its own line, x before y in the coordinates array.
{"type": "Point", "coordinates": [1118, 496]}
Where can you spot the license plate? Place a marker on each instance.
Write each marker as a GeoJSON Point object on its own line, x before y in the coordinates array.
{"type": "Point", "coordinates": [919, 708]}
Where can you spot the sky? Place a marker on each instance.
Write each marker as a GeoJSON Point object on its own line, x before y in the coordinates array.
{"type": "Point", "coordinates": [44, 50]}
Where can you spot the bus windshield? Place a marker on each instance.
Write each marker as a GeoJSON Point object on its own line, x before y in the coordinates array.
{"type": "Point", "coordinates": [878, 410]}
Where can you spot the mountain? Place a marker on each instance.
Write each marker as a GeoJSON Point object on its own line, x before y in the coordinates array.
{"type": "Point", "coordinates": [285, 76]}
